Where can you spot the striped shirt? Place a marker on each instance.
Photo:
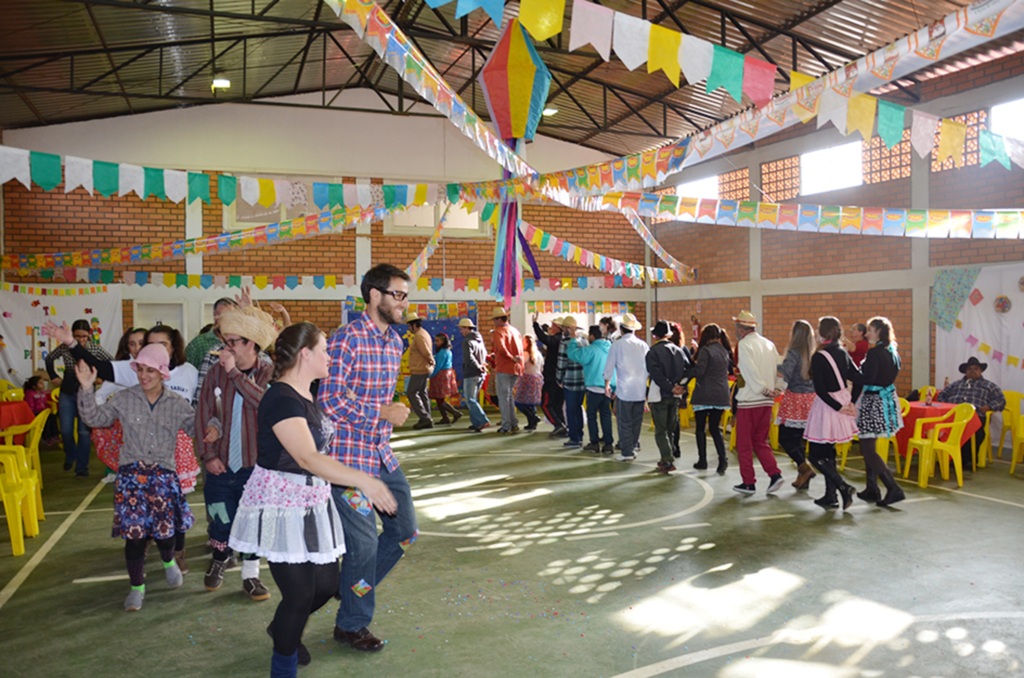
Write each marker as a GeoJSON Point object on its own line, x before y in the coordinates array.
{"type": "Point", "coordinates": [212, 406]}
{"type": "Point", "coordinates": [364, 371]}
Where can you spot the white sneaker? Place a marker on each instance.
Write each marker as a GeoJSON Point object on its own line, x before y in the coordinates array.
{"type": "Point", "coordinates": [623, 457]}
{"type": "Point", "coordinates": [109, 478]}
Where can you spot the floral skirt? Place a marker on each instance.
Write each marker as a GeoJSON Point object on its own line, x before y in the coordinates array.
{"type": "Point", "coordinates": [794, 408]}
{"type": "Point", "coordinates": [443, 385]}
{"type": "Point", "coordinates": [108, 449]}
{"type": "Point", "coordinates": [287, 518]}
{"type": "Point", "coordinates": [528, 389]}
{"type": "Point", "coordinates": [872, 419]}
{"type": "Point", "coordinates": [148, 502]}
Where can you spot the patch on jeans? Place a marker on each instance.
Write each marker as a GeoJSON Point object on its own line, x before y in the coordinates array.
{"type": "Point", "coordinates": [361, 588]}
{"type": "Point", "coordinates": [409, 542]}
{"type": "Point", "coordinates": [357, 501]}
{"type": "Point", "coordinates": [219, 512]}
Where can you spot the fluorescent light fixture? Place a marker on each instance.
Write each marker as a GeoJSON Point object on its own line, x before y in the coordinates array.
{"type": "Point", "coordinates": [221, 81]}
{"type": "Point", "coordinates": [548, 112]}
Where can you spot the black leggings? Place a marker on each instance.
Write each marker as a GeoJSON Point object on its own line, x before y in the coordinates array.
{"type": "Point", "coordinates": [823, 457]}
{"type": "Point", "coordinates": [305, 588]}
{"type": "Point", "coordinates": [792, 441]}
{"type": "Point", "coordinates": [135, 557]}
{"type": "Point", "coordinates": [713, 418]}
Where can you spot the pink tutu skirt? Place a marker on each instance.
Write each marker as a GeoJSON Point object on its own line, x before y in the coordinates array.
{"type": "Point", "coordinates": [825, 425]}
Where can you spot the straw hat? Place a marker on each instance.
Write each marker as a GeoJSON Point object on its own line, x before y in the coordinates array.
{"type": "Point", "coordinates": [568, 322]}
{"type": "Point", "coordinates": [413, 317]}
{"type": "Point", "coordinates": [155, 356]}
{"type": "Point", "coordinates": [556, 321]}
{"type": "Point", "coordinates": [499, 312]}
{"type": "Point", "coordinates": [250, 323]}
{"type": "Point", "coordinates": [467, 323]}
{"type": "Point", "coordinates": [746, 318]}
{"type": "Point", "coordinates": [629, 322]}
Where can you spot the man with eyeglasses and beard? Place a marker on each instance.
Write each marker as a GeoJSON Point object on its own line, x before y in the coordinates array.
{"type": "Point", "coordinates": [358, 395]}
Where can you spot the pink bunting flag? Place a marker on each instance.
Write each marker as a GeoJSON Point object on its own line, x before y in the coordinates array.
{"type": "Point", "coordinates": [591, 24]}
{"type": "Point", "coordinates": [220, 281]}
{"type": "Point", "coordinates": [758, 80]}
{"type": "Point", "coordinates": [972, 340]}
{"type": "Point", "coordinates": [997, 356]}
{"type": "Point", "coordinates": [922, 132]}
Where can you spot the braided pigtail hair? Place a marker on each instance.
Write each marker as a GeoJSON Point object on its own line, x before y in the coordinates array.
{"type": "Point", "coordinates": [289, 345]}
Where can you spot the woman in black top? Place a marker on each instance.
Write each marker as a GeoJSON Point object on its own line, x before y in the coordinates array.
{"type": "Point", "coordinates": [287, 514]}
{"type": "Point", "coordinates": [878, 412]}
{"type": "Point", "coordinates": [831, 418]}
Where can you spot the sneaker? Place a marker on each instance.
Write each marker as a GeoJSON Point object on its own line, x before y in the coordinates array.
{"type": "Point", "coordinates": [745, 488]}
{"type": "Point", "coordinates": [255, 588]}
{"type": "Point", "coordinates": [608, 449]}
{"type": "Point", "coordinates": [133, 603]}
{"type": "Point", "coordinates": [625, 457]}
{"type": "Point", "coordinates": [106, 480]}
{"type": "Point", "coordinates": [558, 432]}
{"type": "Point", "coordinates": [482, 426]}
{"type": "Point", "coordinates": [776, 483]}
{"type": "Point", "coordinates": [664, 468]}
{"type": "Point", "coordinates": [531, 428]}
{"type": "Point", "coordinates": [572, 445]}
{"type": "Point", "coordinates": [593, 447]}
{"type": "Point", "coordinates": [422, 424]}
{"type": "Point", "coordinates": [215, 574]}
{"type": "Point", "coordinates": [173, 574]}
{"type": "Point", "coordinates": [827, 503]}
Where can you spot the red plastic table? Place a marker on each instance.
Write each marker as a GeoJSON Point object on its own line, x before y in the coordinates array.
{"type": "Point", "coordinates": [15, 413]}
{"type": "Point", "coordinates": [922, 411]}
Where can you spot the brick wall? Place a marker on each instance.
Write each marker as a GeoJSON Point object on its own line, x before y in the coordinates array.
{"type": "Point", "coordinates": [718, 311]}
{"type": "Point", "coordinates": [781, 311]}
{"type": "Point", "coordinates": [719, 253]}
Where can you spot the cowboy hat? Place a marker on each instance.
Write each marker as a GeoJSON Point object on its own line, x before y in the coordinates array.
{"type": "Point", "coordinates": [155, 356]}
{"type": "Point", "coordinates": [569, 322]}
{"type": "Point", "coordinates": [467, 323]}
{"type": "Point", "coordinates": [499, 312]}
{"type": "Point", "coordinates": [972, 362]}
{"type": "Point", "coordinates": [250, 323]}
{"type": "Point", "coordinates": [746, 318]}
{"type": "Point", "coordinates": [629, 322]}
{"type": "Point", "coordinates": [413, 317]}
{"type": "Point", "coordinates": [556, 321]}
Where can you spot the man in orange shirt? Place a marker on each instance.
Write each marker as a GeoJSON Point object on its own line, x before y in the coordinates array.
{"type": "Point", "coordinates": [507, 348]}
{"type": "Point", "coordinates": [421, 364]}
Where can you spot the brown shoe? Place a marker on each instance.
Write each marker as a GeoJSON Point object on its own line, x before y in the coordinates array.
{"type": "Point", "coordinates": [362, 640]}
{"type": "Point", "coordinates": [179, 557]}
{"type": "Point", "coordinates": [255, 589]}
{"type": "Point", "coordinates": [803, 481]}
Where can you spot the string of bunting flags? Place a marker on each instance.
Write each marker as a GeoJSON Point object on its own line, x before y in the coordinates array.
{"type": "Point", "coordinates": [997, 354]}
{"type": "Point", "coordinates": [599, 307]}
{"type": "Point", "coordinates": [428, 309]}
{"type": "Point", "coordinates": [53, 291]}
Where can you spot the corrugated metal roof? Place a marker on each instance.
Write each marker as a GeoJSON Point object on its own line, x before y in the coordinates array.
{"type": "Point", "coordinates": [64, 60]}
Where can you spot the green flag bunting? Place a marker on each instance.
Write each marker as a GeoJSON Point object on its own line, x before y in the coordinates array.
{"type": "Point", "coordinates": [336, 195]}
{"type": "Point", "coordinates": [198, 187]}
{"type": "Point", "coordinates": [727, 72]}
{"type": "Point", "coordinates": [890, 122]}
{"type": "Point", "coordinates": [46, 171]}
{"type": "Point", "coordinates": [105, 179]}
{"type": "Point", "coordinates": [154, 183]}
{"type": "Point", "coordinates": [226, 187]}
{"type": "Point", "coordinates": [992, 148]}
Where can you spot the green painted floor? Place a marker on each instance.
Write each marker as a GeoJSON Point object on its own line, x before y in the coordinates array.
{"type": "Point", "coordinates": [537, 561]}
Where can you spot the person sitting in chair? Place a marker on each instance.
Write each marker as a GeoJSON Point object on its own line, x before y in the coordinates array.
{"type": "Point", "coordinates": [978, 391]}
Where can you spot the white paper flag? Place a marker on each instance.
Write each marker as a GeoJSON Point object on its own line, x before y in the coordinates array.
{"type": "Point", "coordinates": [250, 189]}
{"type": "Point", "coordinates": [832, 107]}
{"type": "Point", "coordinates": [131, 178]}
{"type": "Point", "coordinates": [1015, 149]}
{"type": "Point", "coordinates": [351, 196]}
{"type": "Point", "coordinates": [363, 195]}
{"type": "Point", "coordinates": [175, 185]}
{"type": "Point", "coordinates": [14, 164]}
{"type": "Point", "coordinates": [77, 172]}
{"type": "Point", "coordinates": [591, 24]}
{"type": "Point", "coordinates": [922, 132]}
{"type": "Point", "coordinates": [283, 192]}
{"type": "Point", "coordinates": [82, 274]}
{"type": "Point", "coordinates": [632, 35]}
{"type": "Point", "coordinates": [695, 57]}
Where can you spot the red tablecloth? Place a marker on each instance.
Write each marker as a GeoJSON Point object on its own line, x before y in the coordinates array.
{"type": "Point", "coordinates": [922, 411]}
{"type": "Point", "coordinates": [15, 413]}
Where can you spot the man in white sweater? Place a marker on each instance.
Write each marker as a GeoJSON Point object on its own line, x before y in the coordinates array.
{"type": "Point", "coordinates": [758, 361]}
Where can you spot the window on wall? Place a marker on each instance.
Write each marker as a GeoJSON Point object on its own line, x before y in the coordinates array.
{"type": "Point", "coordinates": [780, 179]}
{"type": "Point", "coordinates": [1008, 119]}
{"type": "Point", "coordinates": [734, 185]}
{"type": "Point", "coordinates": [702, 188]}
{"type": "Point", "coordinates": [885, 164]}
{"type": "Point", "coordinates": [831, 169]}
{"type": "Point", "coordinates": [975, 121]}
{"type": "Point", "coordinates": [422, 220]}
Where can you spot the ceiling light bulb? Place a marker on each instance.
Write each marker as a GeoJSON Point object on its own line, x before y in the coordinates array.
{"type": "Point", "coordinates": [221, 81]}
{"type": "Point", "coordinates": [548, 112]}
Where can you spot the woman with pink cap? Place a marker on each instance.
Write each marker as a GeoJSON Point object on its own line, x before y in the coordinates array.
{"type": "Point", "coordinates": [148, 502]}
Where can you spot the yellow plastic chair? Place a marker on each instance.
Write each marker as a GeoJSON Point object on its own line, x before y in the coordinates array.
{"type": "Point", "coordinates": [13, 394]}
{"type": "Point", "coordinates": [980, 458]}
{"type": "Point", "coordinates": [686, 414]}
{"type": "Point", "coordinates": [54, 399]}
{"type": "Point", "coordinates": [918, 442]}
{"type": "Point", "coordinates": [1017, 453]}
{"type": "Point", "coordinates": [773, 428]}
{"type": "Point", "coordinates": [942, 451]}
{"type": "Point", "coordinates": [17, 492]}
{"type": "Point", "coordinates": [1011, 417]}
{"type": "Point", "coordinates": [843, 450]}
{"type": "Point", "coordinates": [4, 385]}
{"type": "Point", "coordinates": [924, 390]}
{"type": "Point", "coordinates": [882, 444]}
{"type": "Point", "coordinates": [33, 433]}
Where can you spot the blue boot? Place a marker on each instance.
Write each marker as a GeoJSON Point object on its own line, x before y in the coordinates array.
{"type": "Point", "coordinates": [284, 666]}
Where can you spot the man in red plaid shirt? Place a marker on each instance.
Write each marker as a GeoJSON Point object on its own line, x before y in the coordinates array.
{"type": "Point", "coordinates": [358, 395]}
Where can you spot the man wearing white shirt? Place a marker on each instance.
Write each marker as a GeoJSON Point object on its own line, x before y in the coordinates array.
{"type": "Point", "coordinates": [627, 364]}
{"type": "Point", "coordinates": [758, 362]}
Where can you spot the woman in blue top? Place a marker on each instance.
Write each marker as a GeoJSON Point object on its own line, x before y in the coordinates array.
{"type": "Point", "coordinates": [443, 384]}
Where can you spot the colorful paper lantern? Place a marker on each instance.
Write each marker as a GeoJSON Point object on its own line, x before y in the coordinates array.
{"type": "Point", "coordinates": [516, 83]}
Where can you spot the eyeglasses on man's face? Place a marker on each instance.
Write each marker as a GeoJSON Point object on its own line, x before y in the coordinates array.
{"type": "Point", "coordinates": [397, 294]}
{"type": "Point", "coordinates": [231, 343]}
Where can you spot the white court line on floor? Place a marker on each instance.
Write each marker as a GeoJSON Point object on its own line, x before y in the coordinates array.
{"type": "Point", "coordinates": [483, 547]}
{"type": "Point", "coordinates": [686, 527]}
{"type": "Point", "coordinates": [12, 586]}
{"type": "Point", "coordinates": [122, 577]}
{"type": "Point", "coordinates": [905, 501]}
{"type": "Point", "coordinates": [64, 513]}
{"type": "Point", "coordinates": [775, 517]}
{"type": "Point", "coordinates": [958, 490]}
{"type": "Point", "coordinates": [592, 536]}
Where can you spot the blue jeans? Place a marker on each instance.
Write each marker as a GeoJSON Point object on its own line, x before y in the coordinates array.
{"type": "Point", "coordinates": [74, 453]}
{"type": "Point", "coordinates": [471, 393]}
{"type": "Point", "coordinates": [368, 556]}
{"type": "Point", "coordinates": [599, 407]}
{"type": "Point", "coordinates": [574, 414]}
{"type": "Point", "coordinates": [222, 494]}
{"type": "Point", "coordinates": [631, 419]}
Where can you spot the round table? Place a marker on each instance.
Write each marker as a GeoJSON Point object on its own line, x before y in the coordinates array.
{"type": "Point", "coordinates": [920, 410]}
